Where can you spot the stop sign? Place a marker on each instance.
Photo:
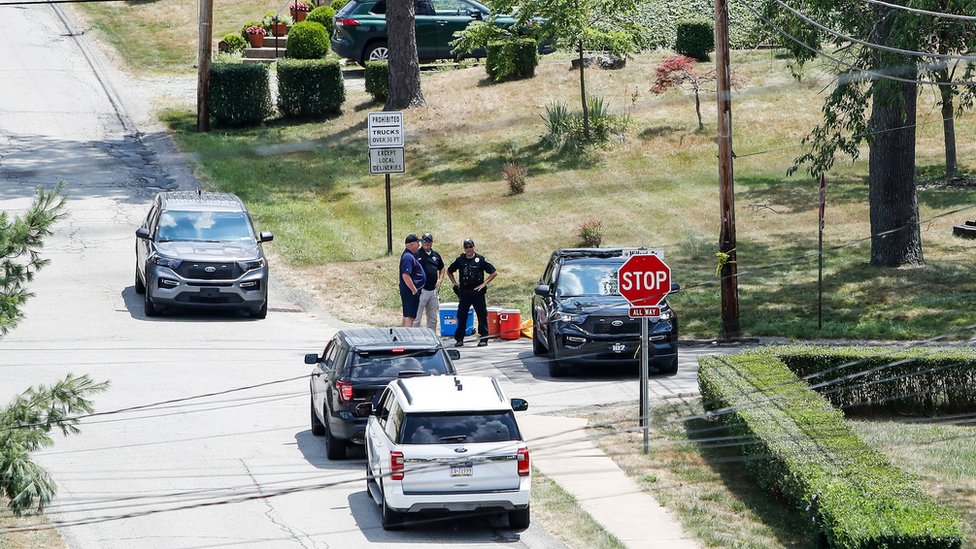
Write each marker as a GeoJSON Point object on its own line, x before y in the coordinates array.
{"type": "Point", "coordinates": [644, 280]}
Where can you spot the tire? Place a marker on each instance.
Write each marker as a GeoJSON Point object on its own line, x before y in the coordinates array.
{"type": "Point", "coordinates": [140, 287]}
{"type": "Point", "coordinates": [671, 368]}
{"type": "Point", "coordinates": [519, 519]}
{"type": "Point", "coordinates": [538, 349]}
{"type": "Point", "coordinates": [317, 428]}
{"type": "Point", "coordinates": [392, 520]}
{"type": "Point", "coordinates": [377, 51]}
{"type": "Point", "coordinates": [260, 313]}
{"type": "Point", "coordinates": [151, 309]}
{"type": "Point", "coordinates": [556, 368]}
{"type": "Point", "coordinates": [335, 449]}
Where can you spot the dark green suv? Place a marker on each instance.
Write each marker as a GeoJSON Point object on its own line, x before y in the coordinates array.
{"type": "Point", "coordinates": [360, 28]}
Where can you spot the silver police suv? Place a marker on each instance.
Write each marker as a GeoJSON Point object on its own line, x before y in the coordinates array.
{"type": "Point", "coordinates": [199, 249]}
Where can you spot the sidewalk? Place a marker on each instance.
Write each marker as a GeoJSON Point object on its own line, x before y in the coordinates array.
{"type": "Point", "coordinates": [561, 451]}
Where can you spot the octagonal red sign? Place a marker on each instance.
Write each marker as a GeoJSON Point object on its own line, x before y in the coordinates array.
{"type": "Point", "coordinates": [644, 280]}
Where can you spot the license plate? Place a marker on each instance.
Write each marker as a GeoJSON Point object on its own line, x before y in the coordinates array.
{"type": "Point", "coordinates": [618, 347]}
{"type": "Point", "coordinates": [461, 470]}
{"type": "Point", "coordinates": [210, 292]}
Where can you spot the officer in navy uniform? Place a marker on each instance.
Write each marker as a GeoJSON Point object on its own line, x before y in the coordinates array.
{"type": "Point", "coordinates": [471, 290]}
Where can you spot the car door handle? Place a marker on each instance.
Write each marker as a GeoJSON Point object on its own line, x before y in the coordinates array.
{"type": "Point", "coordinates": [442, 23]}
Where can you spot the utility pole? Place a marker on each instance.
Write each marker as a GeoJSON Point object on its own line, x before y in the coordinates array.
{"type": "Point", "coordinates": [730, 282]}
{"type": "Point", "coordinates": [203, 65]}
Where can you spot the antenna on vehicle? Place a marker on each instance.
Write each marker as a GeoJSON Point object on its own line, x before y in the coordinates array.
{"type": "Point", "coordinates": [199, 192]}
{"type": "Point", "coordinates": [393, 336]}
{"type": "Point", "coordinates": [457, 383]}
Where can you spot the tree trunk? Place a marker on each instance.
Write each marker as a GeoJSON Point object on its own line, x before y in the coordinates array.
{"type": "Point", "coordinates": [701, 126]}
{"type": "Point", "coordinates": [586, 114]}
{"type": "Point", "coordinates": [949, 132]}
{"type": "Point", "coordinates": [404, 89]}
{"type": "Point", "coordinates": [895, 236]}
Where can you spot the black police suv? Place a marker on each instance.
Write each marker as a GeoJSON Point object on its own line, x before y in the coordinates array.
{"type": "Point", "coordinates": [355, 365]}
{"type": "Point", "coordinates": [579, 316]}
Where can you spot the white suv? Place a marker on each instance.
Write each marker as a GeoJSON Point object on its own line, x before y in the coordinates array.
{"type": "Point", "coordinates": [447, 443]}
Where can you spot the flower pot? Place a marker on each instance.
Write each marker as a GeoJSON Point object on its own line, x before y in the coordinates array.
{"type": "Point", "coordinates": [256, 40]}
{"type": "Point", "coordinates": [279, 29]}
{"type": "Point", "coordinates": [298, 15]}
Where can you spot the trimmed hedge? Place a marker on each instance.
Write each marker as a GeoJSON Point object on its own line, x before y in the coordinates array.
{"type": "Point", "coordinates": [661, 18]}
{"type": "Point", "coordinates": [323, 16]}
{"type": "Point", "coordinates": [695, 39]}
{"type": "Point", "coordinates": [310, 87]}
{"type": "Point", "coordinates": [234, 42]}
{"type": "Point", "coordinates": [512, 59]}
{"type": "Point", "coordinates": [799, 446]}
{"type": "Point", "coordinates": [307, 40]}
{"type": "Point", "coordinates": [378, 79]}
{"type": "Point", "coordinates": [887, 380]}
{"type": "Point", "coordinates": [239, 94]}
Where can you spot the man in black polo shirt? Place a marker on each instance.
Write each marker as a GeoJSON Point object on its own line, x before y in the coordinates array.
{"type": "Point", "coordinates": [434, 271]}
{"type": "Point", "coordinates": [471, 290]}
{"type": "Point", "coordinates": [411, 279]}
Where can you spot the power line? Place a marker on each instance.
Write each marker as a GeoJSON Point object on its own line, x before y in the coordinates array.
{"type": "Point", "coordinates": [923, 12]}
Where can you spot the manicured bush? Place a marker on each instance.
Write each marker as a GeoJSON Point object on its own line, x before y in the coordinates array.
{"type": "Point", "coordinates": [239, 94]}
{"type": "Point", "coordinates": [248, 25]}
{"type": "Point", "coordinates": [512, 59]}
{"type": "Point", "coordinates": [307, 40]}
{"type": "Point", "coordinates": [801, 448]}
{"type": "Point", "coordinates": [661, 17]}
{"type": "Point", "coordinates": [378, 79]}
{"type": "Point", "coordinates": [235, 43]}
{"type": "Point", "coordinates": [322, 15]}
{"type": "Point", "coordinates": [337, 4]}
{"type": "Point", "coordinates": [310, 87]}
{"type": "Point", "coordinates": [695, 39]}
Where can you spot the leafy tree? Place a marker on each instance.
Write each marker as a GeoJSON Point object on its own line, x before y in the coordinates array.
{"type": "Point", "coordinates": [404, 90]}
{"type": "Point", "coordinates": [581, 25]}
{"type": "Point", "coordinates": [26, 423]}
{"type": "Point", "coordinates": [874, 101]}
{"type": "Point", "coordinates": [680, 71]}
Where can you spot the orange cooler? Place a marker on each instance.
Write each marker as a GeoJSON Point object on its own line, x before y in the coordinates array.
{"type": "Point", "coordinates": [493, 323]}
{"type": "Point", "coordinates": [510, 323]}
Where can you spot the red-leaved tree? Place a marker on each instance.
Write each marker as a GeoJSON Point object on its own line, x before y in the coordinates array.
{"type": "Point", "coordinates": [680, 71]}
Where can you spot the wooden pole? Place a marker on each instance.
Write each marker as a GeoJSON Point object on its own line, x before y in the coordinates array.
{"type": "Point", "coordinates": [730, 283]}
{"type": "Point", "coordinates": [203, 65]}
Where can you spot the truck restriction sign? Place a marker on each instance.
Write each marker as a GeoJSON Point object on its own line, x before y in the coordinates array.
{"type": "Point", "coordinates": [386, 161]}
{"type": "Point", "coordinates": [385, 129]}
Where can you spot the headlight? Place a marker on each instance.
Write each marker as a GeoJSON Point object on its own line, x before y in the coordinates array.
{"type": "Point", "coordinates": [666, 314]}
{"type": "Point", "coordinates": [251, 265]}
{"type": "Point", "coordinates": [163, 261]}
{"type": "Point", "coordinates": [566, 317]}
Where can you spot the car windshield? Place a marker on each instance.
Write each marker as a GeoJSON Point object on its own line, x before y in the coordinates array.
{"type": "Point", "coordinates": [192, 226]}
{"type": "Point", "coordinates": [587, 279]}
{"type": "Point", "coordinates": [459, 428]}
{"type": "Point", "coordinates": [390, 364]}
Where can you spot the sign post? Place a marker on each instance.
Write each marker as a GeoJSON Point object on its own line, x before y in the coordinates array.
{"type": "Point", "coordinates": [823, 204]}
{"type": "Point", "coordinates": [385, 133]}
{"type": "Point", "coordinates": [644, 280]}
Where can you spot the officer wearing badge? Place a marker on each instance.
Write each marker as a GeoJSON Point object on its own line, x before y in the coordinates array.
{"type": "Point", "coordinates": [471, 289]}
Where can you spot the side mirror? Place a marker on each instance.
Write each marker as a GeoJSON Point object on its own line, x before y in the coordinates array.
{"type": "Point", "coordinates": [364, 410]}
{"type": "Point", "coordinates": [142, 232]}
{"type": "Point", "coordinates": [544, 290]}
{"type": "Point", "coordinates": [311, 358]}
{"type": "Point", "coordinates": [266, 237]}
{"type": "Point", "coordinates": [454, 354]}
{"type": "Point", "coordinates": [675, 286]}
{"type": "Point", "coordinates": [475, 14]}
{"type": "Point", "coordinates": [520, 404]}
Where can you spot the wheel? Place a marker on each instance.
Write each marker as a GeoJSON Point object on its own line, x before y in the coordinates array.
{"type": "Point", "coordinates": [140, 287]}
{"type": "Point", "coordinates": [538, 349]}
{"type": "Point", "coordinates": [671, 368]}
{"type": "Point", "coordinates": [519, 518]}
{"type": "Point", "coordinates": [260, 313]}
{"type": "Point", "coordinates": [392, 520]}
{"type": "Point", "coordinates": [335, 449]}
{"type": "Point", "coordinates": [317, 428]}
{"type": "Point", "coordinates": [556, 368]}
{"type": "Point", "coordinates": [377, 51]}
{"type": "Point", "coordinates": [151, 309]}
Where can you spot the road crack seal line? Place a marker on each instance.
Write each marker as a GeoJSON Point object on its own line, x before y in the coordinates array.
{"type": "Point", "coordinates": [270, 512]}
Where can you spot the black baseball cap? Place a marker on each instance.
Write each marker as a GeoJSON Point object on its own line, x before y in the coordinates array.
{"type": "Point", "coordinates": [427, 237]}
{"type": "Point", "coordinates": [468, 242]}
{"type": "Point", "coordinates": [411, 238]}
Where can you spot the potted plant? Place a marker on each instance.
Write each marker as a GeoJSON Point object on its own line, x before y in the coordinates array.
{"type": "Point", "coordinates": [255, 34]}
{"type": "Point", "coordinates": [299, 10]}
{"type": "Point", "coordinates": [276, 24]}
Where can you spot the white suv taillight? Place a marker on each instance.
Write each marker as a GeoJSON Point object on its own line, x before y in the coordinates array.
{"type": "Point", "coordinates": [396, 465]}
{"type": "Point", "coordinates": [523, 462]}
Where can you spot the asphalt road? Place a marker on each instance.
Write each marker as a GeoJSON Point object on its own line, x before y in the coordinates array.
{"type": "Point", "coordinates": [223, 456]}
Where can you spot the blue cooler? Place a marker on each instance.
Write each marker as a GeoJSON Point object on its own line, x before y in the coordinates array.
{"type": "Point", "coordinates": [449, 319]}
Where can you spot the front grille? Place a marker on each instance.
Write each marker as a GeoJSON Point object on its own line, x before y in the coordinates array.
{"type": "Point", "coordinates": [209, 271]}
{"type": "Point", "coordinates": [604, 325]}
{"type": "Point", "coordinates": [209, 299]}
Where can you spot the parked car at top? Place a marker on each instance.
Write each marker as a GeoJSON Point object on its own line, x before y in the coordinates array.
{"type": "Point", "coordinates": [357, 363]}
{"type": "Point", "coordinates": [580, 317]}
{"type": "Point", "coordinates": [360, 28]}
{"type": "Point", "coordinates": [447, 443]}
{"type": "Point", "coordinates": [200, 249]}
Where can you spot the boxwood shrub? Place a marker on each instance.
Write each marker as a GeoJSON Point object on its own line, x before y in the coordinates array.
{"type": "Point", "coordinates": [234, 43]}
{"type": "Point", "coordinates": [239, 94]}
{"type": "Point", "coordinates": [800, 447]}
{"type": "Point", "coordinates": [695, 39]}
{"type": "Point", "coordinates": [661, 17]}
{"type": "Point", "coordinates": [310, 87]}
{"type": "Point", "coordinates": [378, 79]}
{"type": "Point", "coordinates": [512, 59]}
{"type": "Point", "coordinates": [307, 40]}
{"type": "Point", "coordinates": [323, 16]}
